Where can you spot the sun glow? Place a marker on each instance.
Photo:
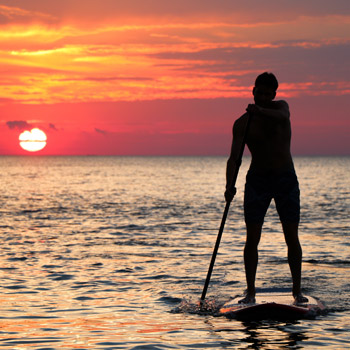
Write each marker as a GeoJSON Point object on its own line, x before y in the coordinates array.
{"type": "Point", "coordinates": [32, 141]}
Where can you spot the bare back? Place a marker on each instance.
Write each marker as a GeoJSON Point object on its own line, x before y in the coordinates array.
{"type": "Point", "coordinates": [269, 143]}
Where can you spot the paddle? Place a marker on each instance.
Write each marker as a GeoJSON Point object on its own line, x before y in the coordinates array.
{"type": "Point", "coordinates": [227, 207]}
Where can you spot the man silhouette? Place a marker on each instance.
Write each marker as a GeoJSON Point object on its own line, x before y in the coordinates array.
{"type": "Point", "coordinates": [271, 175]}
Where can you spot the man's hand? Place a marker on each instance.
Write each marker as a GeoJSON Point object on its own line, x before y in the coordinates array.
{"type": "Point", "coordinates": [230, 193]}
{"type": "Point", "coordinates": [253, 109]}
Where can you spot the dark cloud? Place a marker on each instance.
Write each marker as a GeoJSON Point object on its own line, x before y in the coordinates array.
{"type": "Point", "coordinates": [8, 14]}
{"type": "Point", "coordinates": [242, 11]}
{"type": "Point", "coordinates": [18, 124]}
{"type": "Point", "coordinates": [296, 62]}
{"type": "Point", "coordinates": [100, 131]}
{"type": "Point", "coordinates": [52, 126]}
{"type": "Point", "coordinates": [23, 125]}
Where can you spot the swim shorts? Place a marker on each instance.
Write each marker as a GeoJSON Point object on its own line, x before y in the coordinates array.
{"type": "Point", "coordinates": [261, 188]}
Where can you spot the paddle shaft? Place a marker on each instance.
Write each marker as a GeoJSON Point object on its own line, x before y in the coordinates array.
{"type": "Point", "coordinates": [224, 216]}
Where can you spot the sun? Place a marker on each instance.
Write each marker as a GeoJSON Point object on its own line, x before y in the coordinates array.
{"type": "Point", "coordinates": [33, 141]}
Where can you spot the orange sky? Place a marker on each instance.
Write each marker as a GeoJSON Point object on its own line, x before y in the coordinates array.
{"type": "Point", "coordinates": [161, 77]}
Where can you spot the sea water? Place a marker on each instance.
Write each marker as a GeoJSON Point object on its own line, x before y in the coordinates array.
{"type": "Point", "coordinates": [104, 252]}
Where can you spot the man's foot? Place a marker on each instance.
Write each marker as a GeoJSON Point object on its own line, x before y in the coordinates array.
{"type": "Point", "coordinates": [300, 299]}
{"type": "Point", "coordinates": [248, 299]}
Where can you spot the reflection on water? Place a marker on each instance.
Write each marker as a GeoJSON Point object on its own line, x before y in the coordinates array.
{"type": "Point", "coordinates": [96, 253]}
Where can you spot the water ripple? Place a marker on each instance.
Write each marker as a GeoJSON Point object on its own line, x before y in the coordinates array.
{"type": "Point", "coordinates": [90, 259]}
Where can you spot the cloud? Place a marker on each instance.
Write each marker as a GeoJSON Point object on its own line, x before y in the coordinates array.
{"type": "Point", "coordinates": [100, 131]}
{"type": "Point", "coordinates": [186, 57]}
{"type": "Point", "coordinates": [124, 11]}
{"type": "Point", "coordinates": [316, 67]}
{"type": "Point", "coordinates": [8, 14]}
{"type": "Point", "coordinates": [18, 124]}
{"type": "Point", "coordinates": [52, 126]}
{"type": "Point", "coordinates": [109, 79]}
{"type": "Point", "coordinates": [5, 100]}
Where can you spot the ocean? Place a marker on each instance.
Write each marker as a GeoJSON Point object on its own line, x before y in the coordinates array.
{"type": "Point", "coordinates": [112, 253]}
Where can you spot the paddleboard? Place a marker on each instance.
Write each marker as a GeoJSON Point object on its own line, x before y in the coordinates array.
{"type": "Point", "coordinates": [272, 305]}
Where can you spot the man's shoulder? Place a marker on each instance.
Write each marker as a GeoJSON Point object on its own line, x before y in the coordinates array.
{"type": "Point", "coordinates": [241, 120]}
{"type": "Point", "coordinates": [280, 104]}
{"type": "Point", "coordinates": [240, 124]}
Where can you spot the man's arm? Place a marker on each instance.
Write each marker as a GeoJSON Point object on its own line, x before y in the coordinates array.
{"type": "Point", "coordinates": [233, 161]}
{"type": "Point", "coordinates": [280, 110]}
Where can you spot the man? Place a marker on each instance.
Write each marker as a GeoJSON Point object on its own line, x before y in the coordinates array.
{"type": "Point", "coordinates": [271, 175]}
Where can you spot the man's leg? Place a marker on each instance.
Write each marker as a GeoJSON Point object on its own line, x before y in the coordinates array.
{"type": "Point", "coordinates": [294, 258]}
{"type": "Point", "coordinates": [251, 259]}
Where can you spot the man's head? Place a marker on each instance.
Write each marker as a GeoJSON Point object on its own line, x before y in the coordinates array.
{"type": "Point", "coordinates": [265, 88]}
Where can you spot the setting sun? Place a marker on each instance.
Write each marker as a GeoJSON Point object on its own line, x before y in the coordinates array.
{"type": "Point", "coordinates": [33, 141]}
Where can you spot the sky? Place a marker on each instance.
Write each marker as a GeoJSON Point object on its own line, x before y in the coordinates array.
{"type": "Point", "coordinates": [159, 77]}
